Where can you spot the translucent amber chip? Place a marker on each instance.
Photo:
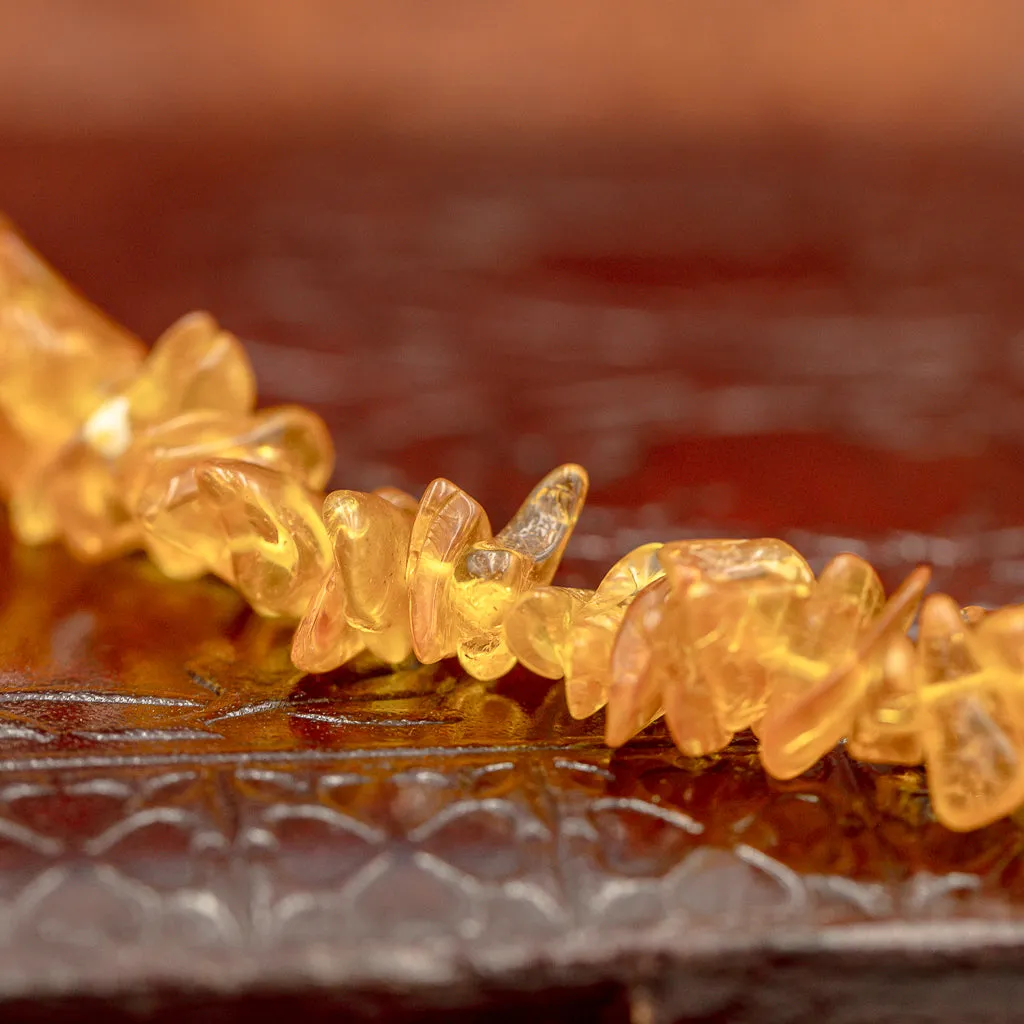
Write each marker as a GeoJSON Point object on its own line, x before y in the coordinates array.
{"type": "Point", "coordinates": [557, 631]}
{"type": "Point", "coordinates": [696, 642]}
{"type": "Point", "coordinates": [77, 493]}
{"type": "Point", "coordinates": [832, 662]}
{"type": "Point", "coordinates": [464, 582]}
{"type": "Point", "coordinates": [887, 726]}
{"type": "Point", "coordinates": [158, 485]}
{"type": "Point", "coordinates": [363, 602]}
{"type": "Point", "coordinates": [973, 736]}
{"type": "Point", "coordinates": [972, 713]}
{"type": "Point", "coordinates": [60, 359]}
{"type": "Point", "coordinates": [271, 528]}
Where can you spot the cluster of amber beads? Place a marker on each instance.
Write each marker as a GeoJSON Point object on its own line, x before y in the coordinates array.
{"type": "Point", "coordinates": [110, 449]}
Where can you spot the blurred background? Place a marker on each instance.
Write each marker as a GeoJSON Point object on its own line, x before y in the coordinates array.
{"type": "Point", "coordinates": [756, 265]}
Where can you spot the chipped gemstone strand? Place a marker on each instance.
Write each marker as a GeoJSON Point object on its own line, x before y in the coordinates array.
{"type": "Point", "coordinates": [109, 449]}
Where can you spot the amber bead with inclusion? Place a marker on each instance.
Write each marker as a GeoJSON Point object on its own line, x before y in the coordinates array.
{"type": "Point", "coordinates": [833, 662]}
{"type": "Point", "coordinates": [972, 721]}
{"type": "Point", "coordinates": [464, 582]}
{"type": "Point", "coordinates": [158, 480]}
{"type": "Point", "coordinates": [363, 600]}
{"type": "Point", "coordinates": [60, 358]}
{"type": "Point", "coordinates": [77, 494]}
{"type": "Point", "coordinates": [270, 525]}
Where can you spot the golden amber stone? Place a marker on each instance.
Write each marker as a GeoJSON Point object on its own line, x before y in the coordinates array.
{"type": "Point", "coordinates": [77, 493]}
{"type": "Point", "coordinates": [560, 631]}
{"type": "Point", "coordinates": [447, 523]}
{"type": "Point", "coordinates": [738, 596]}
{"type": "Point", "coordinates": [363, 601]}
{"type": "Point", "coordinates": [60, 358]}
{"type": "Point", "coordinates": [698, 642]}
{"type": "Point", "coordinates": [270, 526]}
{"type": "Point", "coordinates": [464, 582]}
{"type": "Point", "coordinates": [158, 485]}
{"type": "Point", "coordinates": [825, 673]}
{"type": "Point", "coordinates": [972, 714]}
{"type": "Point", "coordinates": [886, 729]}
{"type": "Point", "coordinates": [999, 637]}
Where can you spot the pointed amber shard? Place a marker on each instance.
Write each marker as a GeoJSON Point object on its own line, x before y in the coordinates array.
{"type": "Point", "coordinates": [464, 582]}
{"type": "Point", "coordinates": [491, 575]}
{"type": "Point", "coordinates": [886, 729]}
{"type": "Point", "coordinates": [77, 494]}
{"type": "Point", "coordinates": [644, 658]}
{"type": "Point", "coordinates": [832, 662]}
{"type": "Point", "coordinates": [271, 527]}
{"type": "Point", "coordinates": [447, 523]}
{"type": "Point", "coordinates": [60, 359]}
{"type": "Point", "coordinates": [158, 479]}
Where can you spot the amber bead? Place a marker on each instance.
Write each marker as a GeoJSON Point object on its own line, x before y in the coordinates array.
{"type": "Point", "coordinates": [825, 673]}
{"type": "Point", "coordinates": [60, 359]}
{"type": "Point", "coordinates": [558, 631]}
{"type": "Point", "coordinates": [696, 643]}
{"type": "Point", "coordinates": [270, 527]}
{"type": "Point", "coordinates": [464, 582]}
{"type": "Point", "coordinates": [77, 493]}
{"type": "Point", "coordinates": [363, 601]}
{"type": "Point", "coordinates": [447, 523]}
{"type": "Point", "coordinates": [972, 710]}
{"type": "Point", "coordinates": [887, 724]}
{"type": "Point", "coordinates": [158, 485]}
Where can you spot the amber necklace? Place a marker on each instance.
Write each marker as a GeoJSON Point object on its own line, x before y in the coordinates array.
{"type": "Point", "coordinates": [109, 449]}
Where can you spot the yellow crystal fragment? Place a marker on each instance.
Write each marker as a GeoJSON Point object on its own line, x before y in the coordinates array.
{"type": "Point", "coordinates": [709, 629]}
{"type": "Point", "coordinates": [972, 713]}
{"type": "Point", "coordinates": [560, 631]}
{"type": "Point", "coordinates": [271, 527]}
{"type": "Point", "coordinates": [737, 598]}
{"type": "Point", "coordinates": [447, 523]}
{"type": "Point", "coordinates": [538, 628]}
{"type": "Point", "coordinates": [588, 659]}
{"type": "Point", "coordinates": [363, 601]}
{"type": "Point", "coordinates": [999, 638]}
{"type": "Point", "coordinates": [464, 582]}
{"type": "Point", "coordinates": [644, 659]}
{"type": "Point", "coordinates": [158, 486]}
{"type": "Point", "coordinates": [832, 662]}
{"type": "Point", "coordinates": [886, 729]}
{"type": "Point", "coordinates": [973, 737]}
{"type": "Point", "coordinates": [77, 493]}
{"type": "Point", "coordinates": [60, 359]}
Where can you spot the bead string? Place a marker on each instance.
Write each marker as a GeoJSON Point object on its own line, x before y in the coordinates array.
{"type": "Point", "coordinates": [110, 449]}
